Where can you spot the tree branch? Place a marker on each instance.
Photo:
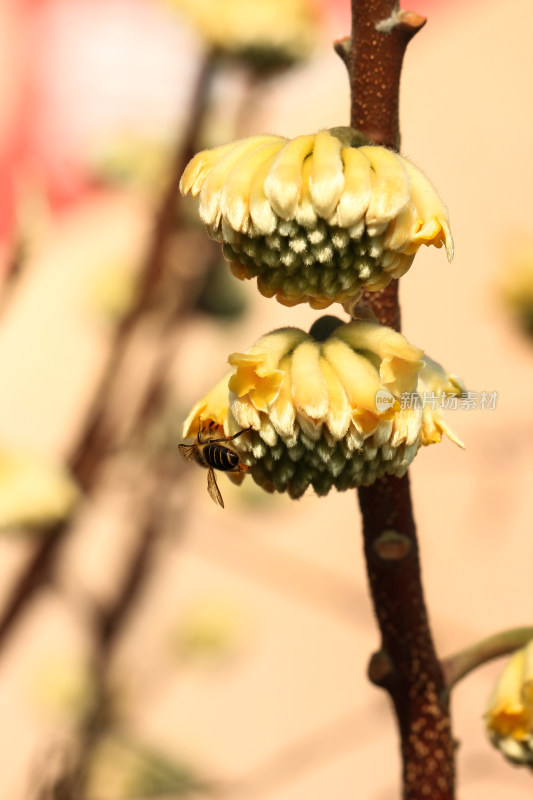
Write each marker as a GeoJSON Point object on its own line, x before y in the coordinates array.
{"type": "Point", "coordinates": [406, 665]}
{"type": "Point", "coordinates": [97, 439]}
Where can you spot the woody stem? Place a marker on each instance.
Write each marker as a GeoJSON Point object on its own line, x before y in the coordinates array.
{"type": "Point", "coordinates": [406, 664]}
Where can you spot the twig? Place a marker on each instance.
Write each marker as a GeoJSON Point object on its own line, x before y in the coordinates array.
{"type": "Point", "coordinates": [461, 664]}
{"type": "Point", "coordinates": [109, 625]}
{"type": "Point", "coordinates": [407, 665]}
{"type": "Point", "coordinates": [97, 438]}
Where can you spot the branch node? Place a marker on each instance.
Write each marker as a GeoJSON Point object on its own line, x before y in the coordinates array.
{"type": "Point", "coordinates": [380, 669]}
{"type": "Point", "coordinates": [392, 546]}
{"type": "Point", "coordinates": [343, 47]}
{"type": "Point", "coordinates": [407, 22]}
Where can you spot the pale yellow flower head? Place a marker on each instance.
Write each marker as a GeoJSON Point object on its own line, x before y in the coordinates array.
{"type": "Point", "coordinates": [266, 33]}
{"type": "Point", "coordinates": [509, 716]}
{"type": "Point", "coordinates": [316, 218]}
{"type": "Point", "coordinates": [323, 408]}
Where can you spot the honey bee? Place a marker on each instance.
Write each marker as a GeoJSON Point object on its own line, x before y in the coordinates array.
{"type": "Point", "coordinates": [212, 454]}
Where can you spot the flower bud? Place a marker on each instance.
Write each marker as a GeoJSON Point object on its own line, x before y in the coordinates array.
{"type": "Point", "coordinates": [509, 716]}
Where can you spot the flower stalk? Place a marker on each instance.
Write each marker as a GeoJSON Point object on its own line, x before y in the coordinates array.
{"type": "Point", "coordinates": [459, 665]}
{"type": "Point", "coordinates": [406, 665]}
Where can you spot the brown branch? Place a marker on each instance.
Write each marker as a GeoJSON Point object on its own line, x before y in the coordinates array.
{"type": "Point", "coordinates": [406, 665]}
{"type": "Point", "coordinates": [95, 440]}
{"type": "Point", "coordinates": [373, 56]}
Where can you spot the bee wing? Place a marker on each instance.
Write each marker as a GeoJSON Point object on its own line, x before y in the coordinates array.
{"type": "Point", "coordinates": [187, 451]}
{"type": "Point", "coordinates": [212, 488]}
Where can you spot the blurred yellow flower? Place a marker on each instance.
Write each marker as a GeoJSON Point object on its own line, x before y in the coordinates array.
{"type": "Point", "coordinates": [265, 33]}
{"type": "Point", "coordinates": [316, 218]}
{"type": "Point", "coordinates": [209, 629]}
{"type": "Point", "coordinates": [509, 716]}
{"type": "Point", "coordinates": [34, 491]}
{"type": "Point", "coordinates": [324, 408]}
{"type": "Point", "coordinates": [516, 282]}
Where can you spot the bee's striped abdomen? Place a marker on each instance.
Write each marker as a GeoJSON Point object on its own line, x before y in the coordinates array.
{"type": "Point", "coordinates": [220, 457]}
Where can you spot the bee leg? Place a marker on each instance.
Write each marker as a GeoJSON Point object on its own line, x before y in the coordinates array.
{"type": "Point", "coordinates": [244, 430]}
{"type": "Point", "coordinates": [229, 438]}
{"type": "Point", "coordinates": [239, 468]}
{"type": "Point", "coordinates": [202, 441]}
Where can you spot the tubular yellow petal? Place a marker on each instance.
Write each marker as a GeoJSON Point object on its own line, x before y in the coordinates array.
{"type": "Point", "coordinates": [266, 390]}
{"type": "Point", "coordinates": [305, 213]}
{"type": "Point", "coordinates": [282, 412]}
{"type": "Point", "coordinates": [254, 378]}
{"type": "Point", "coordinates": [399, 375]}
{"type": "Point", "coordinates": [243, 380]}
{"type": "Point", "coordinates": [390, 187]}
{"type": "Point", "coordinates": [245, 413]}
{"type": "Point", "coordinates": [200, 166]}
{"type": "Point", "coordinates": [433, 426]}
{"type": "Point", "coordinates": [365, 421]}
{"type": "Point", "coordinates": [274, 346]}
{"type": "Point", "coordinates": [434, 378]}
{"type": "Point", "coordinates": [309, 387]}
{"type": "Point", "coordinates": [400, 361]}
{"type": "Point", "coordinates": [263, 217]}
{"type": "Point", "coordinates": [210, 196]}
{"type": "Point", "coordinates": [398, 234]}
{"type": "Point", "coordinates": [213, 408]}
{"type": "Point", "coordinates": [355, 198]}
{"type": "Point", "coordinates": [358, 376]}
{"type": "Point", "coordinates": [236, 192]}
{"type": "Point", "coordinates": [339, 411]}
{"type": "Point", "coordinates": [430, 218]}
{"type": "Point", "coordinates": [284, 181]}
{"type": "Point", "coordinates": [378, 339]}
{"type": "Point", "coordinates": [406, 427]}
{"type": "Point", "coordinates": [326, 180]}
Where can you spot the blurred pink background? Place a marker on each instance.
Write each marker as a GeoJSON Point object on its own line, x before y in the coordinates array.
{"type": "Point", "coordinates": [280, 707]}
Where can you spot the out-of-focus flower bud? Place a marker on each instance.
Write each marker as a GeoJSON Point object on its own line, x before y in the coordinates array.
{"type": "Point", "coordinates": [264, 33]}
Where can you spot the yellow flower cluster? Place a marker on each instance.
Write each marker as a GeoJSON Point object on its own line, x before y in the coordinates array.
{"type": "Point", "coordinates": [316, 218]}
{"type": "Point", "coordinates": [324, 408]}
{"type": "Point", "coordinates": [266, 33]}
{"type": "Point", "coordinates": [509, 717]}
{"type": "Point", "coordinates": [34, 491]}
